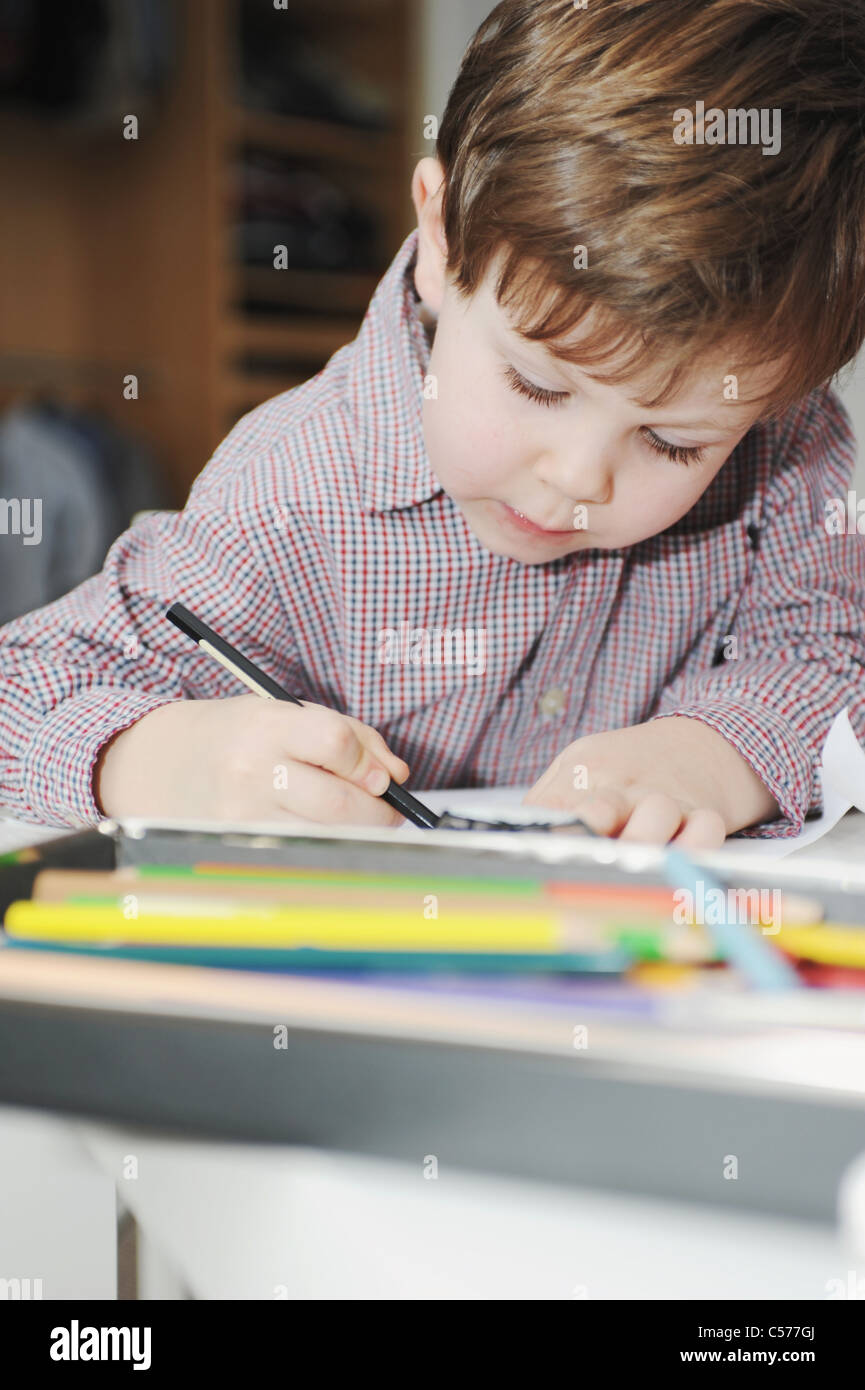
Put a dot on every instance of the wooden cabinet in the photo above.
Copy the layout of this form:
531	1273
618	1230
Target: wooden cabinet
121	256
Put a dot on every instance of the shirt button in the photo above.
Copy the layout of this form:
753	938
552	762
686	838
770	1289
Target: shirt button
552	703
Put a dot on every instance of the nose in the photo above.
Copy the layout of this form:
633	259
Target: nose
582	472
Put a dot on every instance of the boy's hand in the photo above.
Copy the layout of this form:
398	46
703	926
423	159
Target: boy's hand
248	759
671	779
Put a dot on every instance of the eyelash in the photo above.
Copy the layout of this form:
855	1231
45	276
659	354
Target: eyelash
533	393
677	453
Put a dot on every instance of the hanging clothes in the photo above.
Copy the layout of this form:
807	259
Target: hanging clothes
69	484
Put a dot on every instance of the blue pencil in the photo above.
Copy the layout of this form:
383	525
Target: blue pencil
739	943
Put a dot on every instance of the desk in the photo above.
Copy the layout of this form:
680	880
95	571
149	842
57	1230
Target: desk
624	1143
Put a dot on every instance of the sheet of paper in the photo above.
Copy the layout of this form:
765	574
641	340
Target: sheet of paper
15	834
492	803
842	777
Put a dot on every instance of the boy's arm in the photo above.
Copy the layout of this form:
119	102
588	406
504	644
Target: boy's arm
79	671
799	655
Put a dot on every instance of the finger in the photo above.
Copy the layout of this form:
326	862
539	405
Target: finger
545	785
702	829
655	819
322	797
604	812
323	738
372	739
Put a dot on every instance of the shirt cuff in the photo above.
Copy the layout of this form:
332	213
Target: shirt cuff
770	746
60	762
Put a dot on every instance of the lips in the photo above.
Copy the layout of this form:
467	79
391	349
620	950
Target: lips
533	528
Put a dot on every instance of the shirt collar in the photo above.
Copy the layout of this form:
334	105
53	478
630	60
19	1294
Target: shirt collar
385	392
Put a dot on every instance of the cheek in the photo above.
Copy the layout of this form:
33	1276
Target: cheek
466	432
661	496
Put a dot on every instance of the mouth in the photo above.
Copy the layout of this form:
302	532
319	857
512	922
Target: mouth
528	527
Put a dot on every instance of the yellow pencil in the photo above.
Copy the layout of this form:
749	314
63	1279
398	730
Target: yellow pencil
832	944
367	929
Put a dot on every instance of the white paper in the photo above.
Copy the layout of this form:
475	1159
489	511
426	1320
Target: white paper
842	776
17	834
493	803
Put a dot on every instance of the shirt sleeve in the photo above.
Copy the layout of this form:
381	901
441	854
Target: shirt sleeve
77	672
798	648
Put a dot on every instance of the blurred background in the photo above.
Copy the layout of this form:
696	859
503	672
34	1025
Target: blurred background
152	155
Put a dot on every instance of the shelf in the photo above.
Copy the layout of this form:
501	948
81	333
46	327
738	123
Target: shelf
241	393
341	12
76	322
304	338
49	368
338	292
297	135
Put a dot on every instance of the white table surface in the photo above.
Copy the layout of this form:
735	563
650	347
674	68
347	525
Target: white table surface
241	1222
252	1222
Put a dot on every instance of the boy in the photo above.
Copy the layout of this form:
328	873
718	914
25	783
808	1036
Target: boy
584	430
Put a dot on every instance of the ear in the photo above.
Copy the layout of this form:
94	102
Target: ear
427	187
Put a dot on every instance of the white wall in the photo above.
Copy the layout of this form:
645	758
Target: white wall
447	27
853	395
445	32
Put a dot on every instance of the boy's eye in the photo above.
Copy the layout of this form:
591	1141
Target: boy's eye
677	452
534	393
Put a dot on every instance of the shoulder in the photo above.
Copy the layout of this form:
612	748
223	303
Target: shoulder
809	452
314	460
294	454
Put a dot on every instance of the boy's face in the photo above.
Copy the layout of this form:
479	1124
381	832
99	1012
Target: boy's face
580	464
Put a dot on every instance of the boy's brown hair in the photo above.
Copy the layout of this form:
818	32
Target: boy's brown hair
559	132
